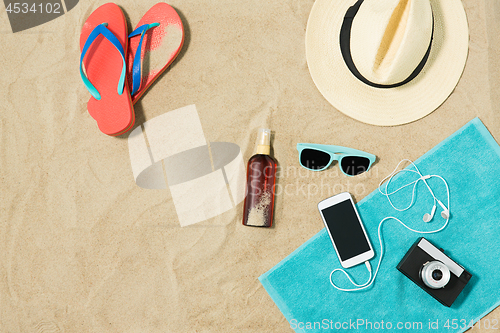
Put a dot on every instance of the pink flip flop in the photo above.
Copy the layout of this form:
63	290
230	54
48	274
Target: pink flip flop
153	45
103	42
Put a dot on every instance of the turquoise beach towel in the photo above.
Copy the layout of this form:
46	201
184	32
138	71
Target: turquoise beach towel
469	160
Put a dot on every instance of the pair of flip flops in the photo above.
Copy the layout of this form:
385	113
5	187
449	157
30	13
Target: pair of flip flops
117	67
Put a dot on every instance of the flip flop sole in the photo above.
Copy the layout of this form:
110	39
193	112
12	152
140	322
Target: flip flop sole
113	113
160	47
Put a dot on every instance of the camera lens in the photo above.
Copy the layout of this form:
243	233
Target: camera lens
437	275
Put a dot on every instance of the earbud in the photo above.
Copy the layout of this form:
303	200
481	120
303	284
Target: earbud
429	217
445	214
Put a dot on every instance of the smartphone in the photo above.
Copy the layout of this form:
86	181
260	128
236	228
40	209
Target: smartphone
346	230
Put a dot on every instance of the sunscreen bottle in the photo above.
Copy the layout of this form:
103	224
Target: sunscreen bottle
261	180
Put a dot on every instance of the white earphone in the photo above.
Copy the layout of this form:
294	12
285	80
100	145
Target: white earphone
445	214
428	217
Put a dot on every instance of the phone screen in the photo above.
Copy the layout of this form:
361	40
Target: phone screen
345	229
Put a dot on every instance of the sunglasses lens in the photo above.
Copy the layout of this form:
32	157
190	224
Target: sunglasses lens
354	165
314	159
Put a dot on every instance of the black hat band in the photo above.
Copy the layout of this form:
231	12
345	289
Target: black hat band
345	48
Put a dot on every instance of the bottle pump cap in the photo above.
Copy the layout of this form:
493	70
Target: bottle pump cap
264	141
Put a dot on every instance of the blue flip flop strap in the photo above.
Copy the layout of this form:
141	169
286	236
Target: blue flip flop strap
136	68
102	30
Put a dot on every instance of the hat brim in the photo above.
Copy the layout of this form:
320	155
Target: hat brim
386	106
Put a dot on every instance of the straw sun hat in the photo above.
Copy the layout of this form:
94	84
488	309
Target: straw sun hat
386	62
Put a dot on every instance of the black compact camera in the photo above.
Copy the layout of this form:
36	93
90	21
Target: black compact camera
433	271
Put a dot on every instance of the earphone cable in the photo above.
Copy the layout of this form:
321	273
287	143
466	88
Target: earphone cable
379	230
